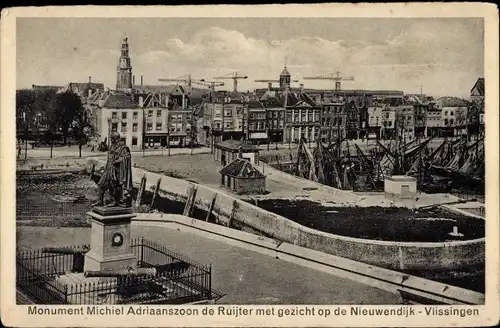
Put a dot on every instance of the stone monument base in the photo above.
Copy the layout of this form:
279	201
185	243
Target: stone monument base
110	240
77	284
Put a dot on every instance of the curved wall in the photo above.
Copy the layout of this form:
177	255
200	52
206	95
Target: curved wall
393	255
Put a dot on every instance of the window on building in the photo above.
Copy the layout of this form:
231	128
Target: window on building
445	112
114	115
134	127
452	113
445	121
114	127
451	122
149	127
124	127
134	141
158	126
158	113
150	113
135	116
124	115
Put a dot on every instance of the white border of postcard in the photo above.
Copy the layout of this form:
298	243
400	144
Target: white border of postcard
17	315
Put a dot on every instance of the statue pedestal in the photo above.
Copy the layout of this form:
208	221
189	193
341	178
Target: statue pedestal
110	239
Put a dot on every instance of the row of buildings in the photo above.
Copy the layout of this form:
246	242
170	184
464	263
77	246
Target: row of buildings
152	116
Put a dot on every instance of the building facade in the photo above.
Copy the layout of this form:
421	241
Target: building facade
257	127
453	116
302	117
405	122
388	129
375	120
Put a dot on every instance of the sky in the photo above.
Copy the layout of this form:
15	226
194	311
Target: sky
445	56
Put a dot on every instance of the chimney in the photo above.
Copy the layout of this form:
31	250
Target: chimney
90	92
141	80
141	102
269	85
90	79
301	86
133	80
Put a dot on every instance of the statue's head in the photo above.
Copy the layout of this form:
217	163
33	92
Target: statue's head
115	136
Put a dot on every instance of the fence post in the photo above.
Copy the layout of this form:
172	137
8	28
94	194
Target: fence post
210	281
141	261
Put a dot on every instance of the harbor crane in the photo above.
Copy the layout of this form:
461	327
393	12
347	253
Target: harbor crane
186	79
333	77
235	76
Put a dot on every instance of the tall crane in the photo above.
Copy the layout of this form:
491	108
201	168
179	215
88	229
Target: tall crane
235	76
186	79
332	76
210	84
183	79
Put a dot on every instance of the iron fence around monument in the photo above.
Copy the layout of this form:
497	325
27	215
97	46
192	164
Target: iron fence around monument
178	279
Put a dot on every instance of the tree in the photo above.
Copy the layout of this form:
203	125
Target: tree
81	129
25	109
51	119
70	109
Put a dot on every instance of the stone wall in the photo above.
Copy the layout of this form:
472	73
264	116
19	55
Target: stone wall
393	255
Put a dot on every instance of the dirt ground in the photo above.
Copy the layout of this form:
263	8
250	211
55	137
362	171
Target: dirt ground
35	204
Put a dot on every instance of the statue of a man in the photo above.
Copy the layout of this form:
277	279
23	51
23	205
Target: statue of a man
117	175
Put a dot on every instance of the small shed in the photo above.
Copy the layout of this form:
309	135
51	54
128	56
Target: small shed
241	177
228	150
400	187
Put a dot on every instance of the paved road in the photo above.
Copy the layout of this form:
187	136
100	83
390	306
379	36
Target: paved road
246	277
70	152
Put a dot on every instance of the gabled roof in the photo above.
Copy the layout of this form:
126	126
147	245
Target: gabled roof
269	102
83	88
255	104
451	102
118	101
296	99
170	89
479	86
241	168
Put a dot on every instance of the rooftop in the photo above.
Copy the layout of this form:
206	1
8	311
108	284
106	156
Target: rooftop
451	102
241	168
479	86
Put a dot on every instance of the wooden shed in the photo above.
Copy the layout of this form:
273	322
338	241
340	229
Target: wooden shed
243	178
228	150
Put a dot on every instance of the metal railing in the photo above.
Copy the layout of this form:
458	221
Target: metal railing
178	280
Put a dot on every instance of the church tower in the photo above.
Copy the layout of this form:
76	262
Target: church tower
285	79
124	69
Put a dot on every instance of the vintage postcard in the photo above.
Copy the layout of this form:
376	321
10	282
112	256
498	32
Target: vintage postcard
324	165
